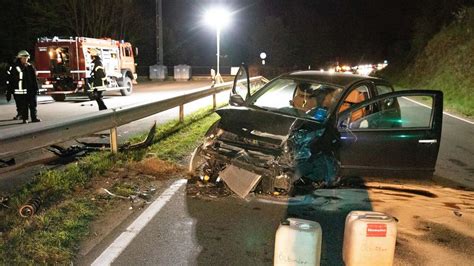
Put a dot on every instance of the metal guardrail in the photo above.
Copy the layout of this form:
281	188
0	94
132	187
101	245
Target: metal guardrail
18	140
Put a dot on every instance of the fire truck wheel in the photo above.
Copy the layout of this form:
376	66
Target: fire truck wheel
59	97
127	82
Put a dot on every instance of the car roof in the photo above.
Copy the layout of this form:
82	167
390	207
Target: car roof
338	79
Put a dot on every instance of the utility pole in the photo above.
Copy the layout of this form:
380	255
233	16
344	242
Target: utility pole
159	33
159	71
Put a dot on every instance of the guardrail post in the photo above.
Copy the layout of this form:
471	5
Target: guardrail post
113	140
214	104
181	113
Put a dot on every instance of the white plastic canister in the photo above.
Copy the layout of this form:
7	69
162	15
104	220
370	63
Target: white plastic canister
298	242
369	239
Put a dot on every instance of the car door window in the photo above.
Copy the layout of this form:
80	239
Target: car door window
241	83
295	97
277	95
355	96
395	113
383	89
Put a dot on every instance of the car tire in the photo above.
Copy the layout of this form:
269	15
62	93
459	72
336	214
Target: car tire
127	82
59	97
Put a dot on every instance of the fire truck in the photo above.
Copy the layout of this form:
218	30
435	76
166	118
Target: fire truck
64	65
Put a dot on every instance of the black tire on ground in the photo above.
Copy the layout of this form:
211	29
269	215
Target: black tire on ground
59	97
127	82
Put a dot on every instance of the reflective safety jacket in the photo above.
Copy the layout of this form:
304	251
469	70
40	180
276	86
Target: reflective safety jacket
22	79
98	75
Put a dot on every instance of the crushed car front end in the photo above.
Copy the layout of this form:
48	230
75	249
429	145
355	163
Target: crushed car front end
267	153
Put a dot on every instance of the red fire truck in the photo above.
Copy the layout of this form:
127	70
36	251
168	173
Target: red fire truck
64	65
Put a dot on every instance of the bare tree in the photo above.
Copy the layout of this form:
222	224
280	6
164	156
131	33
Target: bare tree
92	18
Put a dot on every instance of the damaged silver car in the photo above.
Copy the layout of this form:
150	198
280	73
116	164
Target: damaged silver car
310	127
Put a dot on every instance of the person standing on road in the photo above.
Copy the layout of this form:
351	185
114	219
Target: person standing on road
9	90
98	78
213	77
23	85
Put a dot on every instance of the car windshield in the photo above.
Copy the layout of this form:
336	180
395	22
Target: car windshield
297	97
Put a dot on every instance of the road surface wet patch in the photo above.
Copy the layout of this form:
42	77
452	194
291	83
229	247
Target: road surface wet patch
394	194
451	205
419	192
457	162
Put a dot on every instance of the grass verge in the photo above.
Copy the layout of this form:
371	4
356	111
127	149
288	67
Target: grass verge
71	201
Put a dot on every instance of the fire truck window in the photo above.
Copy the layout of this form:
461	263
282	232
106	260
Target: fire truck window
128	51
105	54
59	59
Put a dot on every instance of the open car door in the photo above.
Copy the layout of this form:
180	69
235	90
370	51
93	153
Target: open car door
398	136
241	88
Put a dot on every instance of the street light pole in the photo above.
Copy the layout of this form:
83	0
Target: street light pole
217	18
159	32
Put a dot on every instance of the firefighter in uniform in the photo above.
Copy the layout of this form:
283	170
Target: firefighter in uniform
98	78
24	86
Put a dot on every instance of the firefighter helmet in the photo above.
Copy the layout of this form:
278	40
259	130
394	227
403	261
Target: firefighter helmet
23	53
93	52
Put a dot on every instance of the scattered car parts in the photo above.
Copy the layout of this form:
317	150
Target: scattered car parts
30	207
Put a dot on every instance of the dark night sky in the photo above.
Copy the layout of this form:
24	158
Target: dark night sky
320	31
294	33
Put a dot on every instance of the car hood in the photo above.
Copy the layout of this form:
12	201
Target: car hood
259	125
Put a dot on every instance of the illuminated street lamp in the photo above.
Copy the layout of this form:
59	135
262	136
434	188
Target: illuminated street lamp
217	18
263	55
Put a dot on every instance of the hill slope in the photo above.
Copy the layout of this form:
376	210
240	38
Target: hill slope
446	63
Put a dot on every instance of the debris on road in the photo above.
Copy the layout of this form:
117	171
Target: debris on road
31	207
6	163
4	201
67	152
114	195
205	189
457	213
148	141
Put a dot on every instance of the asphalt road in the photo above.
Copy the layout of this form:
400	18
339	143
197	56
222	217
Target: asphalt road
192	230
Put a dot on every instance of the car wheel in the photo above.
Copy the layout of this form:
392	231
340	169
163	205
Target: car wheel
127	83
59	97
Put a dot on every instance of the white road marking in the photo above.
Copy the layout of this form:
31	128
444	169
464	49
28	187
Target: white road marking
446	113
121	242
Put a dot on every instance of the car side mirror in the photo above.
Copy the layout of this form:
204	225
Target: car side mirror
236	100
